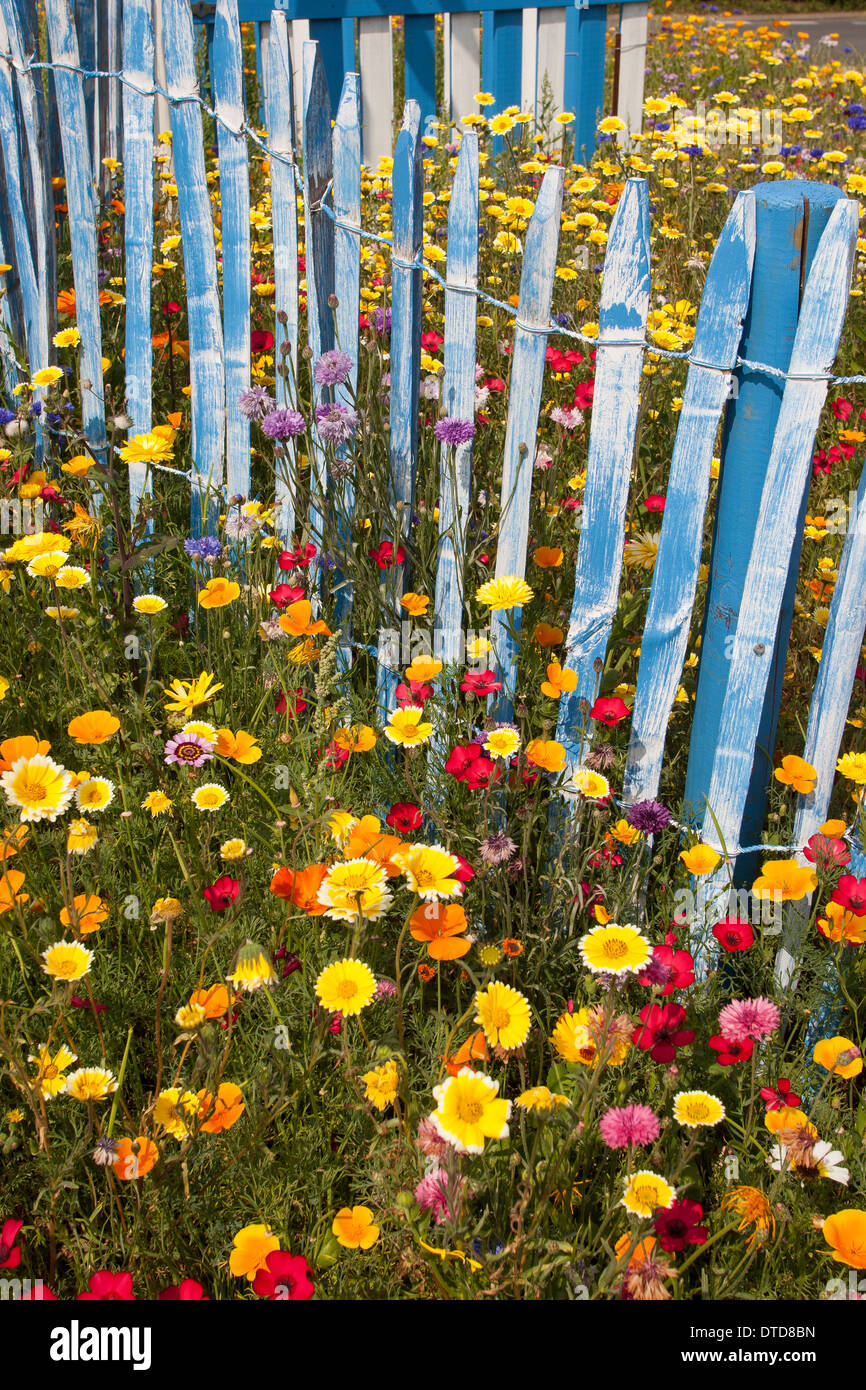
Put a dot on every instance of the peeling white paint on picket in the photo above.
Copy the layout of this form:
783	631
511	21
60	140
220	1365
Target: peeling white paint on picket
284	217
138	107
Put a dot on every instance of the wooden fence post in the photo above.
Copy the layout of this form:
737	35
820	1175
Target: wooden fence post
319	255
347	287
284	215
138	52
583	82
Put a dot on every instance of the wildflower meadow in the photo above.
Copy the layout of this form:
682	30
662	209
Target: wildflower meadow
322	985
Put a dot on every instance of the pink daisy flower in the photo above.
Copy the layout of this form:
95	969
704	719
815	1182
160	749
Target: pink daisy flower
748	1019
629	1125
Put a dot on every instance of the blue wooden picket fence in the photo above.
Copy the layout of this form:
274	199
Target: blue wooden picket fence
752	328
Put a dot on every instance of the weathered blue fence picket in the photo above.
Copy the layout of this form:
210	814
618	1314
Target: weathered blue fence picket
738	311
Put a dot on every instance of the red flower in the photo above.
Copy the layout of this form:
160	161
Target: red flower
404	816
655	502
583	395
609	710
662	1032
282	704
384	555
39	1293
188	1291
335	756
467	763
733	934
779	1096
415	693
677	1225
850	892
260	341
464	871
289	559
284	594
480	683
285	1277
494	383
78	1003
827	851
106	1287
223	893
669	968
10	1253
431	341
819	462
731	1052
841	408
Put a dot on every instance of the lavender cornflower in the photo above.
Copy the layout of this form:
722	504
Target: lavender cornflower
497	849
332	368
453	431
382	320
255	404
648	816
335	423
283	424
203	548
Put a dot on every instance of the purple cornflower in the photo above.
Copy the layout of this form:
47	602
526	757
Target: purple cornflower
382	320
497	849
332	368
283	424
203	548
335	423
627	1126
255	404
188	750
648	816
453	431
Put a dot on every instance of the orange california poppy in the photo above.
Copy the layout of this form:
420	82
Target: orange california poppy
474	1049
87	915
296	618
24	746
364	843
227	1110
215	1001
546	635
11	840
439	924
95	726
10	882
301	888
548	557
135	1157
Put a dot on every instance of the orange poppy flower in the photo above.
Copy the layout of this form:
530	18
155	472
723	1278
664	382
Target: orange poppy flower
215	1001
474	1049
439	925
546	635
548	557
366	843
12	839
87	915
24	746
227	1111
10	882
95	726
135	1157
301	888
559	679
296	618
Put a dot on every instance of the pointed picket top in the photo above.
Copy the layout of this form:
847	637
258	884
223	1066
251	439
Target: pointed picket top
622	323
319	252
719	327
347	287
284	214
407	183
458	402
228	83
199	253
524	404
821	316
837	670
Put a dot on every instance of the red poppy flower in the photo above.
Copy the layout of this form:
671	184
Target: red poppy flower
655	502
467	763
384	555
480	683
827	851
662	1032
850	892
188	1291
281	704
583	395
733	934
464	871
404	816
731	1052
106	1287
609	710
841	408
677	1225
431	341
260	341
284	594
335	756
780	1096
223	893
10	1253
78	1003
284	1277
415	693
669	968
300	558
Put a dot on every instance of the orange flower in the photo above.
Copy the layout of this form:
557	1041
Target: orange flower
512	947
24	746
135	1157
548	557
559	680
10	882
845	1231
12	839
227	1111
358	738
296	619
474	1049
301	888
797	773
95	726
243	747
546	753
840	924
367	841
87	915
641	1252
546	635
439	925
838	1055
426	972
66	304
215	1000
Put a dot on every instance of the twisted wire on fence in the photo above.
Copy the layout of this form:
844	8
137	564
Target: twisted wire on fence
251	134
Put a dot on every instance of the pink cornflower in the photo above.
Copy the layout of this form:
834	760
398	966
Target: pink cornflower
430	1141
433	1192
629	1125
749	1019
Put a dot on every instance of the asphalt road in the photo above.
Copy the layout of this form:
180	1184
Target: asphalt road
849	25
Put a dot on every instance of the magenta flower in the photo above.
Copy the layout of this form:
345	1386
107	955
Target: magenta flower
433	1192
746	1020
110	1288
188	750
625	1127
